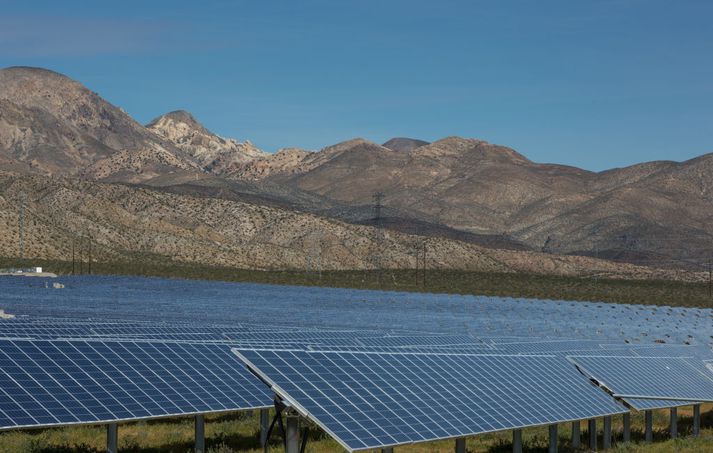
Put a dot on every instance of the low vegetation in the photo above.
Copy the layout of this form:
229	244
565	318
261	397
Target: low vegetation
239	433
649	292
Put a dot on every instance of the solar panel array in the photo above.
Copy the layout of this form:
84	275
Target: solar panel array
46	383
370	400
175	300
375	369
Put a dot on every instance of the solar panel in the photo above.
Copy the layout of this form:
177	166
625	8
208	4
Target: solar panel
661	378
547	347
46	383
369	400
430	340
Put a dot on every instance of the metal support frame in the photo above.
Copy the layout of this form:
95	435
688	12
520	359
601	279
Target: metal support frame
387	450
553	439
112	438
264	426
516	441
674	422
606	438
292	432
200	434
626	422
460	445
696	420
592	428
576	434
648	426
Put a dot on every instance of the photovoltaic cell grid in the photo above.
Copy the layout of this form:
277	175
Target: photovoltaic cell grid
368	400
47	383
663	381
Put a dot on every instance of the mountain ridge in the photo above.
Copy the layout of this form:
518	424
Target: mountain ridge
464	188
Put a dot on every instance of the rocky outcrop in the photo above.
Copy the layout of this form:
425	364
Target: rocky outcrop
56	126
215	153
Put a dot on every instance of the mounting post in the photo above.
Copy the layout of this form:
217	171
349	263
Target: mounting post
553	439
576	434
200	434
592	428
292	434
606	441
674	422
696	420
460	445
264	426
387	450
648	426
626	422
112	438
516	441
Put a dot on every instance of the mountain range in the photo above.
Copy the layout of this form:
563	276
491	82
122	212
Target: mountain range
173	188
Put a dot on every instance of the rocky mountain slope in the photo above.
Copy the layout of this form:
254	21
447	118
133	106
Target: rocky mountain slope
125	222
214	153
458	190
58	127
657	212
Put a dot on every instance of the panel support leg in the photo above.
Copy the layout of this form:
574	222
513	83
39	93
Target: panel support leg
112	438
553	439
292	432
606	441
387	450
264	426
592	428
200	434
696	420
576	434
648	426
627	427
516	441
674	422
460	445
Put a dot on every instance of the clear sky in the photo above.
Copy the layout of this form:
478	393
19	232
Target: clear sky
592	83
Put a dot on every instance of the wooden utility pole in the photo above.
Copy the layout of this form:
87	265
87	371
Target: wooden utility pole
424	264
89	265
81	256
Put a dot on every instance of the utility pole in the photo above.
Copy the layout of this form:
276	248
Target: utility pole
424	264
72	256
81	256
417	254
21	222
89	265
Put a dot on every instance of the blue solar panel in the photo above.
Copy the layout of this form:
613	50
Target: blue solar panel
45	383
659	378
429	340
368	400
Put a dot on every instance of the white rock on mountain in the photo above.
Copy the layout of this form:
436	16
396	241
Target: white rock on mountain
213	152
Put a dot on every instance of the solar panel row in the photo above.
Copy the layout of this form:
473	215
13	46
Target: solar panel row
46	383
371	400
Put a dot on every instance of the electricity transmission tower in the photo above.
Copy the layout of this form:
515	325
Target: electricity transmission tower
313	244
377	257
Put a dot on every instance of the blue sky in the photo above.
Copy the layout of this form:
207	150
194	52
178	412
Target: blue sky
597	84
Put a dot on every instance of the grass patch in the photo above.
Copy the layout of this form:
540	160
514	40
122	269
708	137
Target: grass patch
239	433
